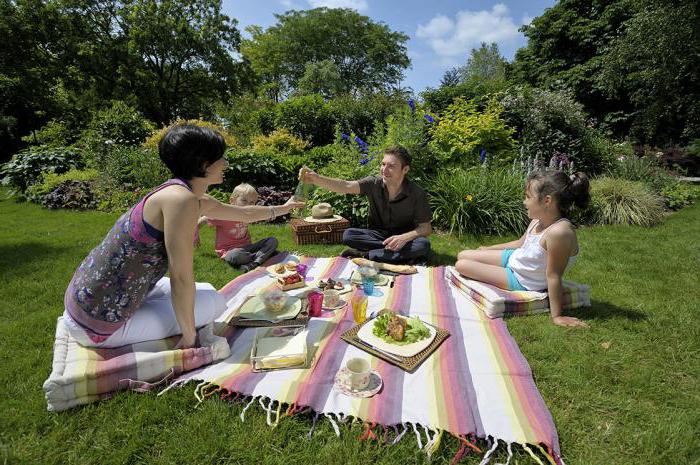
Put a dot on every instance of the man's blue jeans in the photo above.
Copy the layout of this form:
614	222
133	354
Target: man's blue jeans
373	242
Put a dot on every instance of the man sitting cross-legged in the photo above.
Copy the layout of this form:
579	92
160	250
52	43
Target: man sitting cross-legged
399	214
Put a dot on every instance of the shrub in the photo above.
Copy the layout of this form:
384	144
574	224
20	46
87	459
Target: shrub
318	157
271	196
552	121
307	117
50	181
115	200
126	168
281	142
409	128
27	166
463	132
71	194
55	133
259	170
154	138
120	124
363	115
478	201
677	194
620	201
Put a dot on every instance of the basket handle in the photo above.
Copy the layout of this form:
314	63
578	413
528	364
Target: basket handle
316	229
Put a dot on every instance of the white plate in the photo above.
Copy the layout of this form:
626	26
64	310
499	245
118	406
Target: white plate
409	350
271	270
341	303
379	279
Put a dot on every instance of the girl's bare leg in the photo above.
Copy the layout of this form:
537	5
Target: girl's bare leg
484	272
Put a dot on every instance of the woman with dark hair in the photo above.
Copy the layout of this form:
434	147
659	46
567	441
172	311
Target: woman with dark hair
119	295
537	260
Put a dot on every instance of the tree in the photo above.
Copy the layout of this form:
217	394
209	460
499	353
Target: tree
170	58
632	63
368	55
321	77
484	63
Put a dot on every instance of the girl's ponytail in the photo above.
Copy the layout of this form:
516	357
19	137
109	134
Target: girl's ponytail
578	189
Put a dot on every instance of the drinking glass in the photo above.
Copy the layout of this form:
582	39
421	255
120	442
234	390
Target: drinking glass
359	307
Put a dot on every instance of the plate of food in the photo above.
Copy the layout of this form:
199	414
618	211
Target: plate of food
397	334
341	286
291	281
283	269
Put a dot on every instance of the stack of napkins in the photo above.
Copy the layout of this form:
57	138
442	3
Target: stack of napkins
280	351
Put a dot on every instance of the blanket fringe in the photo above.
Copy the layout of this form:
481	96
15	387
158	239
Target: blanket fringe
532	454
333	424
368	434
547	455
246	408
398	438
420	443
434	444
487	457
313	426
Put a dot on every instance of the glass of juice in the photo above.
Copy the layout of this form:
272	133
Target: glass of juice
359	306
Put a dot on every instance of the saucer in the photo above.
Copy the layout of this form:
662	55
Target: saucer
342	384
341	303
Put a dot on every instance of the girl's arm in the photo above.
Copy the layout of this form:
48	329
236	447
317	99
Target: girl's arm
180	213
509	245
559	248
212	208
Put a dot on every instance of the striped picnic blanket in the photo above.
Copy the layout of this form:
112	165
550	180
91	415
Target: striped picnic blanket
476	385
496	302
81	375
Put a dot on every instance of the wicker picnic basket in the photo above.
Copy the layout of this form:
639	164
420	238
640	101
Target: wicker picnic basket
318	233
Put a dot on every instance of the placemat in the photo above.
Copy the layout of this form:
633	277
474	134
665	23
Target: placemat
408	364
302	319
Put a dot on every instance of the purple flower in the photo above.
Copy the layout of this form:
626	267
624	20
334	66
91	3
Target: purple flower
482	155
361	144
429	118
412	104
345	137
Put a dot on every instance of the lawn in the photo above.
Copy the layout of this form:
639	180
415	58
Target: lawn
624	391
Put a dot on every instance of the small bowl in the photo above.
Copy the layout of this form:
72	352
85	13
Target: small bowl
331	298
274	300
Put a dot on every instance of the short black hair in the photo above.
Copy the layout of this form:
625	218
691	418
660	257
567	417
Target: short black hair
401	153
187	149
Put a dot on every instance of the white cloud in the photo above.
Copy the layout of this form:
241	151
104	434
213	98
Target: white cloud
453	38
359	5
290	5
527	19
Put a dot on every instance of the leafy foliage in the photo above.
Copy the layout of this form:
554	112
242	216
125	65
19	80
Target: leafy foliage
126	168
70	194
620	201
552	121
269	195
463	132
50	181
26	167
478	201
306	116
154	138
259	169
368	55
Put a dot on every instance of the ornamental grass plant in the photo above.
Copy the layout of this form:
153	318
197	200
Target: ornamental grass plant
478	201
620	201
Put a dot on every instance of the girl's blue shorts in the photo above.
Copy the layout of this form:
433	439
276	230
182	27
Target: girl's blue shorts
513	283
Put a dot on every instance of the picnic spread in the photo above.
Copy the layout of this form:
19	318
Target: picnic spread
439	363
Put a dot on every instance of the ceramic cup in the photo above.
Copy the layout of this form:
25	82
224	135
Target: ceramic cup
359	369
331	297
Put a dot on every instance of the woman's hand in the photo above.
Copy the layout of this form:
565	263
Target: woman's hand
291	203
187	342
569	321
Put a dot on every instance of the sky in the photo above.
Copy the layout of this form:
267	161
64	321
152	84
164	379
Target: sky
442	32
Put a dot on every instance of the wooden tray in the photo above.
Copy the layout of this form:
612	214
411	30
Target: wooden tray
302	319
409	364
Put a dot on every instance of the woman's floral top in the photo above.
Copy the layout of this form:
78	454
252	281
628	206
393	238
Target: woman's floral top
112	281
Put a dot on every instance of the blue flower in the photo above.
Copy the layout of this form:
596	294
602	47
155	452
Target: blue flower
412	104
365	159
429	118
345	137
362	144
482	155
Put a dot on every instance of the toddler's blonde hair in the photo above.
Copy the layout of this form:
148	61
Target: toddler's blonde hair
242	190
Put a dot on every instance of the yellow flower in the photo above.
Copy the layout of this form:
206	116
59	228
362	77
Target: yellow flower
468	198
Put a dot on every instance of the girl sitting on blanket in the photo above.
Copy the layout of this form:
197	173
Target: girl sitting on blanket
118	294
537	260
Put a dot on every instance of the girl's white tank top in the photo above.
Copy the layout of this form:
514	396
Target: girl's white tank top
529	262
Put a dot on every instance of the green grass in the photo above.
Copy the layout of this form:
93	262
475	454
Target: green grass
634	402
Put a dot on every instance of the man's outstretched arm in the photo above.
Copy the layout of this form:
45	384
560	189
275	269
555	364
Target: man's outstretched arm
340	186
